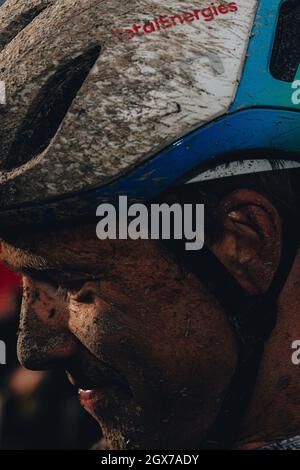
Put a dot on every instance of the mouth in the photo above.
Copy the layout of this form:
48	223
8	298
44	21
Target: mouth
95	393
91	400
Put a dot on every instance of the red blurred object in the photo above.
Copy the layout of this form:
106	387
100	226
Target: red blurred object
8	278
10	285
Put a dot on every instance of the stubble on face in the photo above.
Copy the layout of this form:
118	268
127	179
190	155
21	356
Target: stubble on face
140	314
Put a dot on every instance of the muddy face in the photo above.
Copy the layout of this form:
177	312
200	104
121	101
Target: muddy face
146	343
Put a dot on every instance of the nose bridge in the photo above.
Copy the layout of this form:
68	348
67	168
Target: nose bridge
43	337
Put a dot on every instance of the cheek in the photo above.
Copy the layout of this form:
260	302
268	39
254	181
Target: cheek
152	340
192	348
92	324
112	332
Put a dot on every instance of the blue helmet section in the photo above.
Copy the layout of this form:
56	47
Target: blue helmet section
267	130
258	87
263	129
262	118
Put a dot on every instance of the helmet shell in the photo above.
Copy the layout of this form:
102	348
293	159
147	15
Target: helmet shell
142	92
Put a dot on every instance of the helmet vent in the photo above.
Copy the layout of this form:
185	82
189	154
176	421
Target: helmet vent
49	109
286	50
19	23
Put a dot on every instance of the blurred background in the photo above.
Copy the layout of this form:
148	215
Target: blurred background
38	410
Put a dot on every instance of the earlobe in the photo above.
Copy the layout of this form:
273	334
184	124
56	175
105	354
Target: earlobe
250	246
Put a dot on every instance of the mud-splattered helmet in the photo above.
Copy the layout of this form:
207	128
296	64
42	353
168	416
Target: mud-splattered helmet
101	98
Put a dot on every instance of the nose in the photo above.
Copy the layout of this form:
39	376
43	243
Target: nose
44	338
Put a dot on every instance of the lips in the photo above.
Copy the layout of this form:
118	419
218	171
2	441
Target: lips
96	382
91	394
86	384
90	399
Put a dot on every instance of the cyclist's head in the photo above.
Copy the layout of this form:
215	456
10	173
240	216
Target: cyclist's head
156	101
133	321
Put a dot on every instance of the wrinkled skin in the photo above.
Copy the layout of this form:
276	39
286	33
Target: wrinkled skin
124	318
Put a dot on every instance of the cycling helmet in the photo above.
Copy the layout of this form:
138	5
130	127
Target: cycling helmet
106	98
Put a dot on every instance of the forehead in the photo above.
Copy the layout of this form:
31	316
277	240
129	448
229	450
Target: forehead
73	249
50	248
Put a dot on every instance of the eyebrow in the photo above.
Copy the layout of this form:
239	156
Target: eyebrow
34	265
64	267
40	270
10	265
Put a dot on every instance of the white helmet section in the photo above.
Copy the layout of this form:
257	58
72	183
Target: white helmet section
243	167
165	67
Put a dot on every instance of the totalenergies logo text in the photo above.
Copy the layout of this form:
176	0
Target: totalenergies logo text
209	13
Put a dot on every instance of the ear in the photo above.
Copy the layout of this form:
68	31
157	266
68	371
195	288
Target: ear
250	245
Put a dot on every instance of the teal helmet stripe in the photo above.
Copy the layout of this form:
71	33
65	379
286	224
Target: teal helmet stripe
258	87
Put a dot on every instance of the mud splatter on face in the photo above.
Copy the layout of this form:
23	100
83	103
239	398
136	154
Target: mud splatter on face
133	325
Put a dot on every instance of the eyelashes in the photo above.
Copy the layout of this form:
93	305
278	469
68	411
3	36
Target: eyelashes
71	286
63	287
82	287
66	289
63	293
